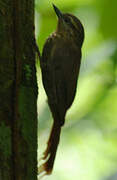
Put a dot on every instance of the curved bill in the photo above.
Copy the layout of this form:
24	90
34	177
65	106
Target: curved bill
58	12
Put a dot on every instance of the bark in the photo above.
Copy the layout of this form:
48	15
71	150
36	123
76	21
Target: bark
18	91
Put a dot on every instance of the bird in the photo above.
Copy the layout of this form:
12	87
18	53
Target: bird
60	65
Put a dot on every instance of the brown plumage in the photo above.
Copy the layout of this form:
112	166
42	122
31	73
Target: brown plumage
60	64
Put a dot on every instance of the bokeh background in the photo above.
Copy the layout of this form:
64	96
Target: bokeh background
88	146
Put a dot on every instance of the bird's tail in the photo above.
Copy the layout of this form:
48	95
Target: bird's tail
50	153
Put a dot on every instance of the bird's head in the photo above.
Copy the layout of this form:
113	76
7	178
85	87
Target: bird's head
70	26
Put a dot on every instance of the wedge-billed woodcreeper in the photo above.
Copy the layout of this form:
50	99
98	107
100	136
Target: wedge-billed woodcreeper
60	64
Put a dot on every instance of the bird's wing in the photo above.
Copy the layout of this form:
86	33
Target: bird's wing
60	75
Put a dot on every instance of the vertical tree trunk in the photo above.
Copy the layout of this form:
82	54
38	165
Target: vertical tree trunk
18	91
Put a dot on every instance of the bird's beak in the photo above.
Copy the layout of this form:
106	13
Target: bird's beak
58	12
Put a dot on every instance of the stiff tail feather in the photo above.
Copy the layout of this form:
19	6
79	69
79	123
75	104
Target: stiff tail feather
50	153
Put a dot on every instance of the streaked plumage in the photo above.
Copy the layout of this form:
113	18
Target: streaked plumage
61	59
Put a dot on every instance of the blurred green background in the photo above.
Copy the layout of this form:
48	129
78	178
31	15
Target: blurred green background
88	146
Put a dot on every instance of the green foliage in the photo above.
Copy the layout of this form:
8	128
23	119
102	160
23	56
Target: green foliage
89	139
108	16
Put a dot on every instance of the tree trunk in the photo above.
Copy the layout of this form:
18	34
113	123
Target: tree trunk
18	91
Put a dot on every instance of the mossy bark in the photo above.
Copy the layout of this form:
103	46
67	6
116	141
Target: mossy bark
18	91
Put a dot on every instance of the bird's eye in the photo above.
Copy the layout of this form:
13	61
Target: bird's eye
67	20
